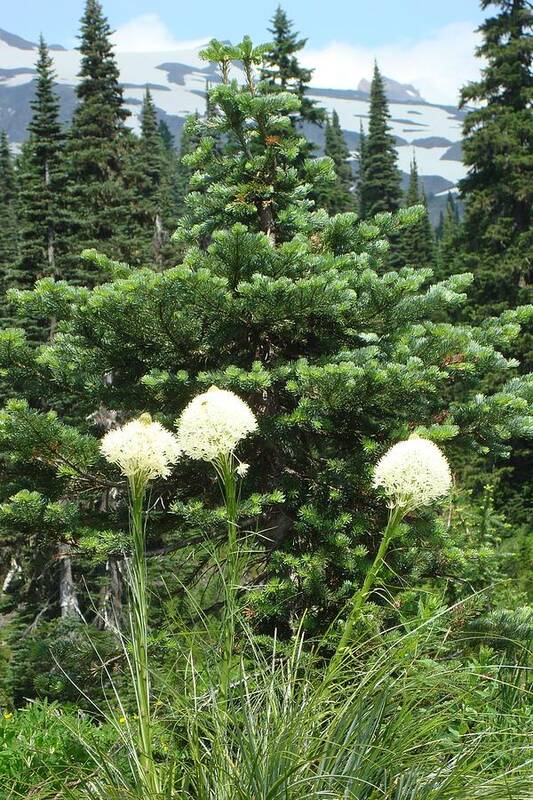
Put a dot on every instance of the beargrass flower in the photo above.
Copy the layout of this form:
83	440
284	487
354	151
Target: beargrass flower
141	449
413	473
213	424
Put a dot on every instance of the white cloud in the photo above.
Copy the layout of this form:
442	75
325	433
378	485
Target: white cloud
149	34
437	66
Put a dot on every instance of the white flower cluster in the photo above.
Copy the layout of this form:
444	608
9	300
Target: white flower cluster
141	448
213	424
413	473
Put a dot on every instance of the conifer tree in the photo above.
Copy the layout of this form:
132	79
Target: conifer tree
361	151
166	136
282	70
380	179
417	244
42	182
451	210
449	241
498	195
338	196
98	149
153	186
296	312
172	170
188	143
9	225
255	186
498	150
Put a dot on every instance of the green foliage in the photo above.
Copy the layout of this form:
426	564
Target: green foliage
62	660
253	178
410	719
42	198
417	245
99	149
9	227
337	197
379	177
188	143
339	355
155	189
300	314
282	71
495	240
497	150
43	750
448	239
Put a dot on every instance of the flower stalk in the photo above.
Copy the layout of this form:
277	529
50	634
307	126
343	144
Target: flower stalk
209	430
396	515
143	450
413	473
227	476
139	637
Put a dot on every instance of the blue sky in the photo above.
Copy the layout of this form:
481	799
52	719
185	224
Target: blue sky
364	22
428	44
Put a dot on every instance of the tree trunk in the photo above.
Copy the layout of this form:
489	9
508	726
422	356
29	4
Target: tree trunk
266	219
110	611
109	614
10	574
68	601
159	239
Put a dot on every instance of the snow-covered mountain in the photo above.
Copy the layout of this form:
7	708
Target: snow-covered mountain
177	80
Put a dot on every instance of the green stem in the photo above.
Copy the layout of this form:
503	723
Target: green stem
395	517
139	639
228	484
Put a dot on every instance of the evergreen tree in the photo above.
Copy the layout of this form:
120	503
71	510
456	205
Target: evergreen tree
498	197
8	226
255	186
282	70
172	170
449	239
166	136
361	152
417	244
42	186
338	196
153	186
296	312
498	152
451	212
379	186
99	148
188	143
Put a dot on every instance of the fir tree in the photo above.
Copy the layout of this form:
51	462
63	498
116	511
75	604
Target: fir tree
153	186
257	184
498	149
282	70
188	143
451	211
166	136
42	185
380	179
361	153
98	148
417	244
498	195
449	239
338	196
297	313
9	225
